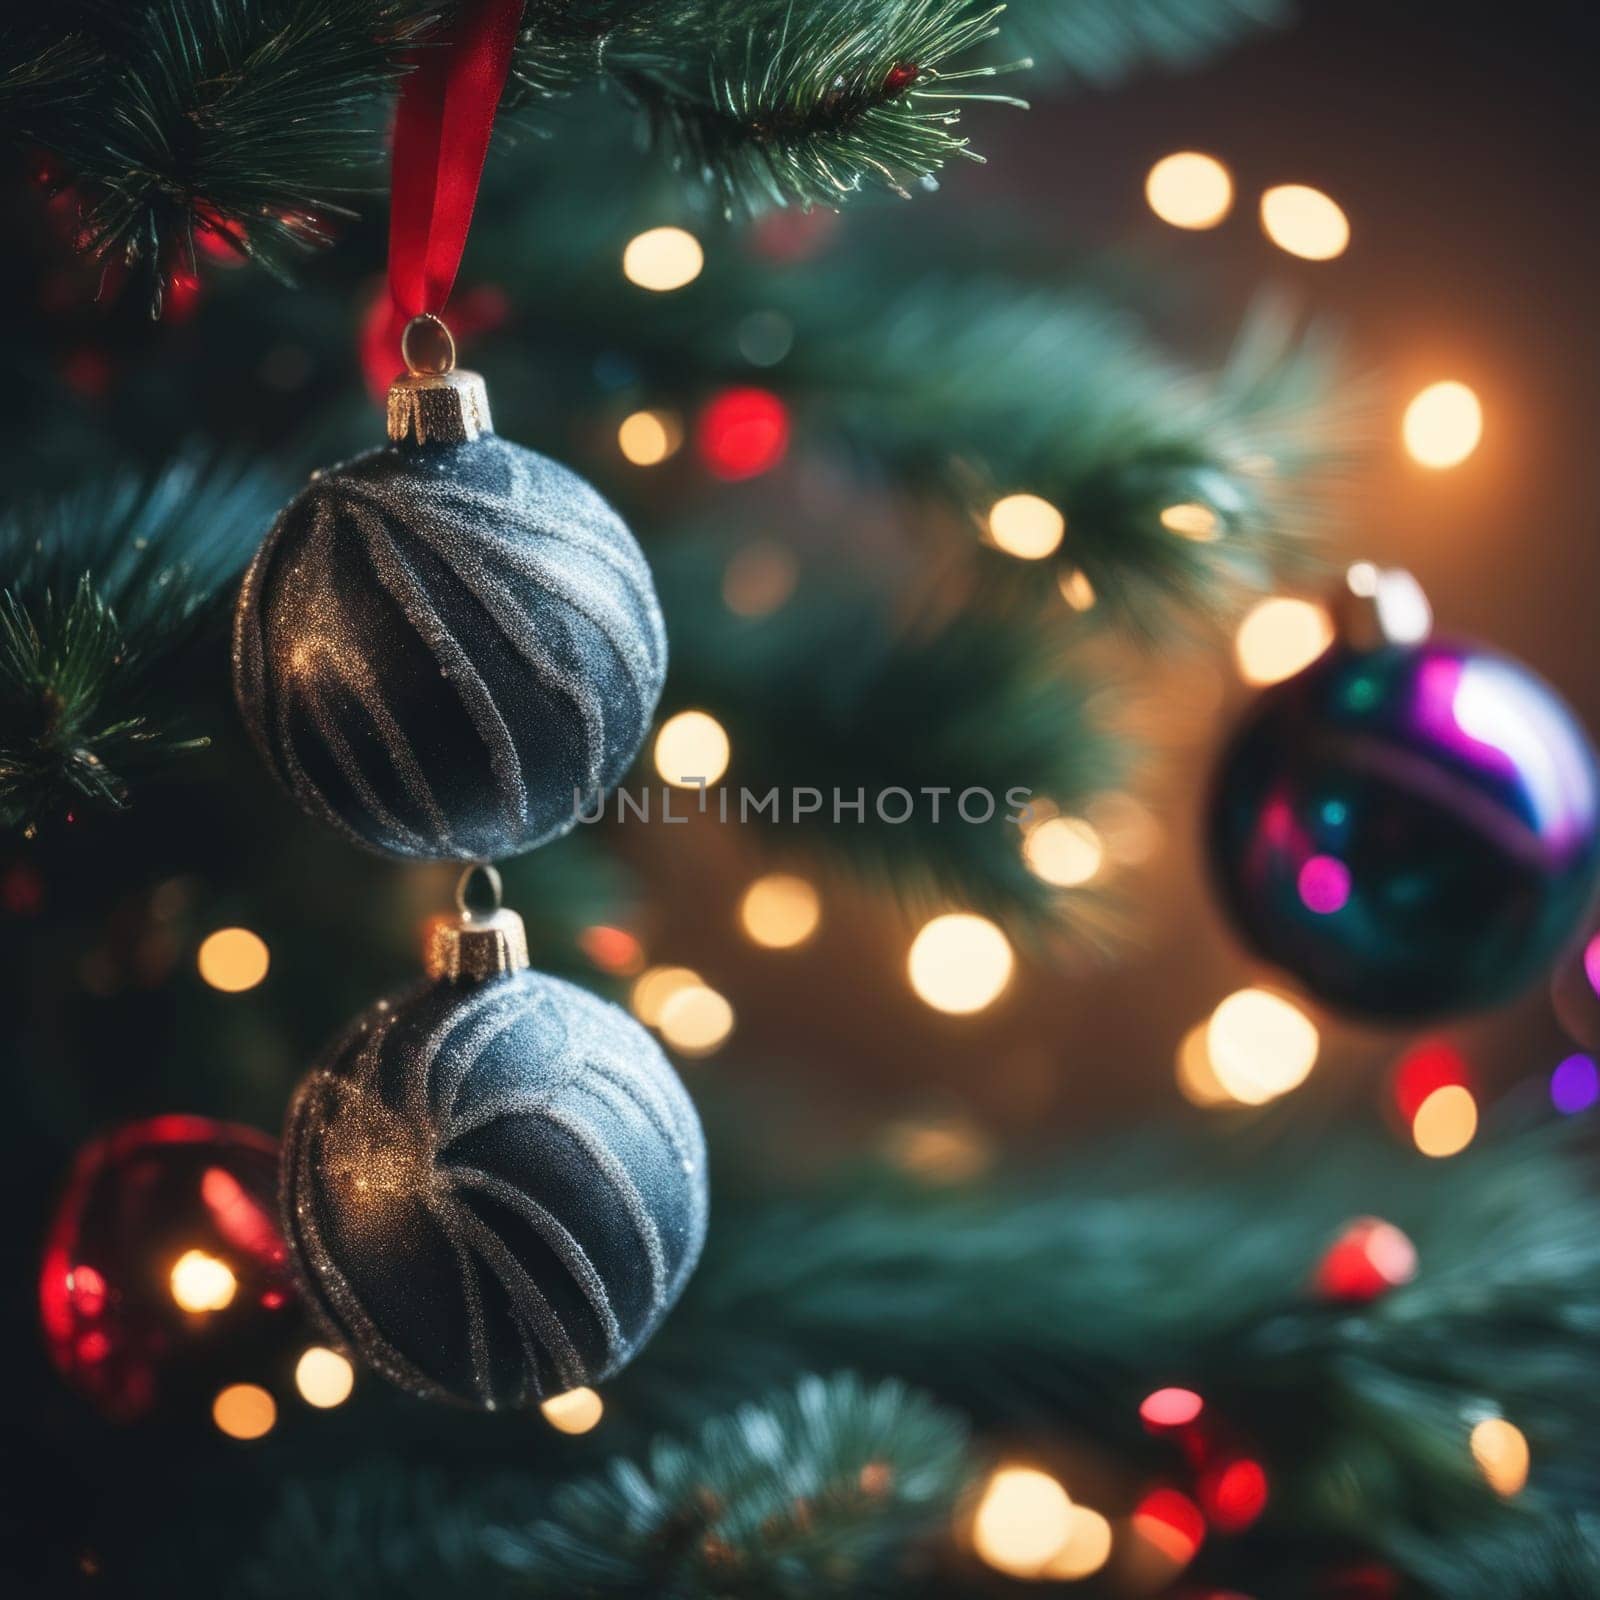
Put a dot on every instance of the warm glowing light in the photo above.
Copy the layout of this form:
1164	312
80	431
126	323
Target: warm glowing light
1191	520
1305	222
695	1020
1575	1085
960	963
1501	1451
1443	425
662	259
1368	1259
780	911
1087	1549
1025	526
1064	851
233	960
647	438
576	1411
692	750
1280	636
324	1378
244	1411
759	578
1426	1066
1446	1121
1170	1408
950	1150
1235	1494
1172	1523
1260	1045
1076	590
1324	885
657	986
742	433
1197	1083
201	1282
1189	190
1023	1521
612	949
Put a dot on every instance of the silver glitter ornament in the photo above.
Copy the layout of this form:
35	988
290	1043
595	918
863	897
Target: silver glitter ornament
494	1185
448	645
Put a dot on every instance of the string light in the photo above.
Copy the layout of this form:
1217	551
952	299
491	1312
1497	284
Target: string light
1279	637
1172	1523
1076	590
1170	1408
1260	1045
244	1411
742	433
1086	1551
1445	1122
233	960
576	1411
959	963
1368	1259
1022	1523
1235	1494
657	986
1429	1065
324	1378
1063	851
1501	1450
695	1020
1025	526
201	1282
780	911
1575	1085
1443	425
647	438
1197	1083
692	749
661	259
1191	520
1304	222
1189	190
612	949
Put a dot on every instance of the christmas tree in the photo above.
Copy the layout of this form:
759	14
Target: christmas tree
879	737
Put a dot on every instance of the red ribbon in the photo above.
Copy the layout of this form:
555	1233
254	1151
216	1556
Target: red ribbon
441	136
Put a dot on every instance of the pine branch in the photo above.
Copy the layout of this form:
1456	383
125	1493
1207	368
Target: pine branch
1103	41
833	691
106	591
816	1490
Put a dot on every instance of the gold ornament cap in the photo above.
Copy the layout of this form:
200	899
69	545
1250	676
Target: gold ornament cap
431	402
476	945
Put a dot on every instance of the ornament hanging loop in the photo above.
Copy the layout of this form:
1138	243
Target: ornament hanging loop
483	940
1378	606
427	346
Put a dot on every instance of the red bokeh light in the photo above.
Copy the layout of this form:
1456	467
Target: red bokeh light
1433	1064
1368	1259
1235	1494
743	433
1170	1408
1172	1523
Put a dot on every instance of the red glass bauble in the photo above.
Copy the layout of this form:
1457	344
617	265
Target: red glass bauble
165	1275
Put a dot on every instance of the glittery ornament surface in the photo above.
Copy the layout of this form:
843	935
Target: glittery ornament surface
495	1192
1410	830
437	647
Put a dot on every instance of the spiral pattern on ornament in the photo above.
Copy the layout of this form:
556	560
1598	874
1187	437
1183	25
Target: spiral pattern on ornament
441	651
495	1193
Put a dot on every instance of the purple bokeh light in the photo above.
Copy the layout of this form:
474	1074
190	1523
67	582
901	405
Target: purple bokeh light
1575	1085
1324	885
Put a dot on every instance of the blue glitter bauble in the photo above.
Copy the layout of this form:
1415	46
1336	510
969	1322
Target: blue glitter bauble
1409	830
442	650
494	1192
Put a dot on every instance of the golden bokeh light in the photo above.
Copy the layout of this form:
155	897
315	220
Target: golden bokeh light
576	1411
1023	1522
780	911
1501	1451
1278	637
1025	526
201	1282
662	258
1446	1122
1086	1551
233	960
1305	222
692	749
647	438
1191	520
1443	425
695	1020
959	963
1076	590
1064	851
944	1150
1189	190
657	986
759	578
1197	1083
1260	1046
324	1377
244	1411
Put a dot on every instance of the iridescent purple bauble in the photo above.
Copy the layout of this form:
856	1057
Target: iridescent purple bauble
1409	830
